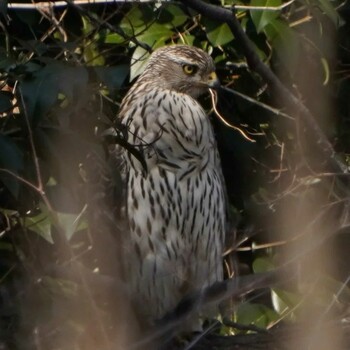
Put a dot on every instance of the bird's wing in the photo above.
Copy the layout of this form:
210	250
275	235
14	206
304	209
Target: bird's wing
171	129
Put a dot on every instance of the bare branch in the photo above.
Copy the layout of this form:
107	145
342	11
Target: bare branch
264	8
282	92
56	4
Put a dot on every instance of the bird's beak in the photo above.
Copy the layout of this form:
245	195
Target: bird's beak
213	81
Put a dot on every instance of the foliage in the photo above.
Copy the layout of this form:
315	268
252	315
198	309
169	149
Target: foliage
63	74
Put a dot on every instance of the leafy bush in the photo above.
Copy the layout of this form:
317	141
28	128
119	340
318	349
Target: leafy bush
63	73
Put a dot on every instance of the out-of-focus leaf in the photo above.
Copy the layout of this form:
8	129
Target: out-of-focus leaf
5	101
31	18
71	223
36	46
37	93
113	77
6	246
284	41
262	265
40	92
330	11
218	33
3	7
87	25
255	314
11	159
189	39
6	61
68	46
59	287
334	287
138	62
261	18
62	200
40	224
136	20
92	55
172	15
114	38
283	301
140	21
228	2
154	34
139	59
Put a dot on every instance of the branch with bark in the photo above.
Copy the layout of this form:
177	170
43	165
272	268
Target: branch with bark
282	93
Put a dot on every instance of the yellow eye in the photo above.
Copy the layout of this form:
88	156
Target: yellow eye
189	69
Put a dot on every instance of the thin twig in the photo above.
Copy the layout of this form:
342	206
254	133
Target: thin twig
32	145
264	8
214	101
258	103
21	179
57	4
282	92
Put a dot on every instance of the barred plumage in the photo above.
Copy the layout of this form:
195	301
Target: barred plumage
176	206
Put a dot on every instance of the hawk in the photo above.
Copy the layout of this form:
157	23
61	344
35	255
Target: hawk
175	200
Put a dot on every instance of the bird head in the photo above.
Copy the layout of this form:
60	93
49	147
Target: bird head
182	68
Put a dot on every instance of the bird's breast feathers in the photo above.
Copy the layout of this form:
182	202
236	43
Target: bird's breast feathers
172	129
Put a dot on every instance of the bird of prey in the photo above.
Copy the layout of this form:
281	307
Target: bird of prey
175	198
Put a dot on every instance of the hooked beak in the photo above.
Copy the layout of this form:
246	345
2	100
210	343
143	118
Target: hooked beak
213	81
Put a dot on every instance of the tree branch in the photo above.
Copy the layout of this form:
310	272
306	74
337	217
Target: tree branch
288	98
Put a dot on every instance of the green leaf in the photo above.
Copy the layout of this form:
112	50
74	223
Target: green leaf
3	7
40	224
155	33
32	18
138	62
11	158
41	91
6	246
284	41
136	20
261	18
218	33
255	314
155	36
113	77
262	265
6	61
172	15
71	223
87	25
140	57
5	101
114	38
283	301
91	52
58	287
10	154
36	46
330	11
336	288
92	55
189	39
